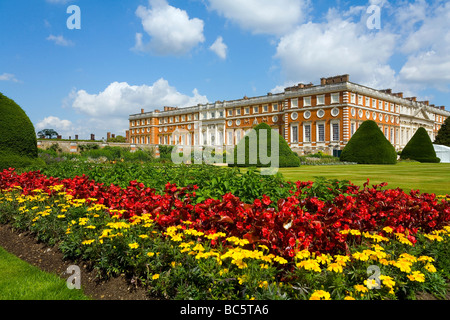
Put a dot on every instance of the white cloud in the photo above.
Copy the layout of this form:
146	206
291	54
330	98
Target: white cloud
427	46
111	107
8	77
171	30
219	48
63	127
263	16
334	47
60	41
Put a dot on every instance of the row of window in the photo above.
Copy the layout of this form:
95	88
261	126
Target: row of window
320	100
320	132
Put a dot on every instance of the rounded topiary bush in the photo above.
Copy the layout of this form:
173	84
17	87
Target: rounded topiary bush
369	146
420	148
253	154
18	144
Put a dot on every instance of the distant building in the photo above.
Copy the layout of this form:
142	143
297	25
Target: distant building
310	118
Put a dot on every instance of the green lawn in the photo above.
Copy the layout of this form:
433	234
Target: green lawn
427	177
22	281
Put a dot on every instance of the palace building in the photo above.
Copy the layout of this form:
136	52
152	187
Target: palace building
310	118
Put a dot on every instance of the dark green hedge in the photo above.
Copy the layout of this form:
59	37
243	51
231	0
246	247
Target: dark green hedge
287	158
443	135
420	148
17	134
369	146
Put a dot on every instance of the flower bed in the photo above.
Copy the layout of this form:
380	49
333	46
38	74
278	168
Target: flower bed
228	249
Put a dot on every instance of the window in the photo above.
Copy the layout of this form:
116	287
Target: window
294	138
335	112
230	112
275	107
196	116
189	117
213	114
307	101
380	104
352	128
132	123
230	138
374	103
353	98
320	113
392	135
255	109
220	114
335	98
183	118
294	103
320	100
238	112
177	118
204	115
247	110
294	116
160	121
335	130
307	133
360	100
386	132
170	119
265	108
321	132
307	114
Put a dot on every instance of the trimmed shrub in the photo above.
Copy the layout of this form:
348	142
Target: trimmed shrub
18	144
369	146
420	148
287	158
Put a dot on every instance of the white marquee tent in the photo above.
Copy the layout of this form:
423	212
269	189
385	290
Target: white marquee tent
442	152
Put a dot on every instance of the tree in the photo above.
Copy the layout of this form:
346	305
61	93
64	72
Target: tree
47	133
420	148
443	136
369	146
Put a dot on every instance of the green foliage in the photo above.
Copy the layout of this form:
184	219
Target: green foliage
165	152
118	139
17	135
253	154
443	136
420	148
87	147
369	146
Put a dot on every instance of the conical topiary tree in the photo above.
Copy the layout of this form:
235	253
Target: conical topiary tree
443	136
369	146
261	135
18	144
420	148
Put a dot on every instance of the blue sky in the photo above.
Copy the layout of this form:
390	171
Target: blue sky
146	54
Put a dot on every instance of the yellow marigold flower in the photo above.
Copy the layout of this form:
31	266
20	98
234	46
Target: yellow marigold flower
335	267
303	254
264	266
309	264
133	245
90	227
60	216
403	265
416	276
360	256
408	257
349	298
371	283
155	277
430	268
198	247
360	288
387	281
323	259
87	242
150	254
280	260
320	295
143	236
263	247
263	284
388	229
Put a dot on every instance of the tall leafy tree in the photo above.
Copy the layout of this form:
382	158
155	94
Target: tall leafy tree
443	136
47	133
